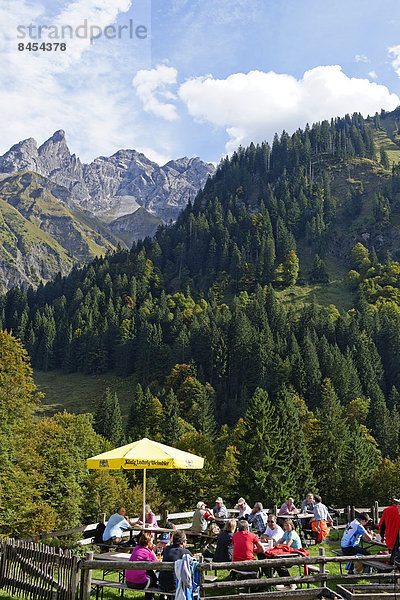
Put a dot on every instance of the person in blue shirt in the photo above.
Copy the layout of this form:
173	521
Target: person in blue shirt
116	524
351	540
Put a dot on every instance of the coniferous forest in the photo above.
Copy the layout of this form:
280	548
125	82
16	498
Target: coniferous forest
280	398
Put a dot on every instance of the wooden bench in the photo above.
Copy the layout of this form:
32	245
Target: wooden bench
100	584
381	567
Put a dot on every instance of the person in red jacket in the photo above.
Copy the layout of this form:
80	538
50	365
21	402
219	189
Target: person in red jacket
389	524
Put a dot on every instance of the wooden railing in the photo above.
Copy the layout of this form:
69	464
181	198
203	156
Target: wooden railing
260	586
34	571
346	514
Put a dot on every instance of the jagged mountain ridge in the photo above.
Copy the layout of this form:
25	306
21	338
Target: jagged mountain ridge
111	187
42	233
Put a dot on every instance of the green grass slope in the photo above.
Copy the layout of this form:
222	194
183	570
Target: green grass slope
78	393
40	234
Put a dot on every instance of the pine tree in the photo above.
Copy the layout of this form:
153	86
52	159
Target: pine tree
329	441
108	420
171	427
136	413
261	468
294	451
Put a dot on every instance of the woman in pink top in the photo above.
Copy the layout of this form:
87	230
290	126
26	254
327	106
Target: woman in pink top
141	580
150	518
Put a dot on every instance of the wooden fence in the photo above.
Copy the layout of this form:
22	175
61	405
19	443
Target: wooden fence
256	589
35	571
184	519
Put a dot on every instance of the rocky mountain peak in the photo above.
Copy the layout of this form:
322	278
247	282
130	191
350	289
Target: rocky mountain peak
113	186
20	157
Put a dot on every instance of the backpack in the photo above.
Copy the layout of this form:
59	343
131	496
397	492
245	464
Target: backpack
98	534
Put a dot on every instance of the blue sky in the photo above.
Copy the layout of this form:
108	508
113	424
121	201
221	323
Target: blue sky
209	76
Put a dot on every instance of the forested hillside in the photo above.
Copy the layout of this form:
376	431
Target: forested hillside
222	367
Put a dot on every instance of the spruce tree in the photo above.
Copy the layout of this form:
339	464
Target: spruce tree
136	413
108	420
329	444
171	427
262	472
294	452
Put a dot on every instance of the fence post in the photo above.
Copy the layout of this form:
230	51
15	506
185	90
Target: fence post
322	566
201	576
275	510
353	513
87	579
376	512
74	578
103	518
348	514
164	517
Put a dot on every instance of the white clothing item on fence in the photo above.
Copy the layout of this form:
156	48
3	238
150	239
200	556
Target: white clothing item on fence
183	576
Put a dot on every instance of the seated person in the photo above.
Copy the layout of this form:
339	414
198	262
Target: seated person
307	506
243	508
288	508
321	520
200	517
141	580
150	517
116	524
167	579
163	541
351	541
245	543
220	512
290	538
258	518
224	550
273	531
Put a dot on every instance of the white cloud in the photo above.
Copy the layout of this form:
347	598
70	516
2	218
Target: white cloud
373	75
361	58
150	86
395	53
79	90
253	106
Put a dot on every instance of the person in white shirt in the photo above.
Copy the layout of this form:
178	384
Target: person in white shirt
243	508
273	530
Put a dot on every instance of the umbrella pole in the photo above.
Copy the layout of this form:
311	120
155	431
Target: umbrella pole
144	497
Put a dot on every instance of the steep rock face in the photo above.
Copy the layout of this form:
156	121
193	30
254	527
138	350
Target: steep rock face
40	234
111	187
21	156
131	228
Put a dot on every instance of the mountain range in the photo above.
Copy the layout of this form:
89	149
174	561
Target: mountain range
56	211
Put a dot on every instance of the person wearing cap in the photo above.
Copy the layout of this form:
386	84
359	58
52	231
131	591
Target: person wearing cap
176	550
163	541
351	540
220	511
200	517
243	508
389	524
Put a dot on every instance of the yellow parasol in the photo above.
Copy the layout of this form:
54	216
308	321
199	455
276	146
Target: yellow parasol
145	454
